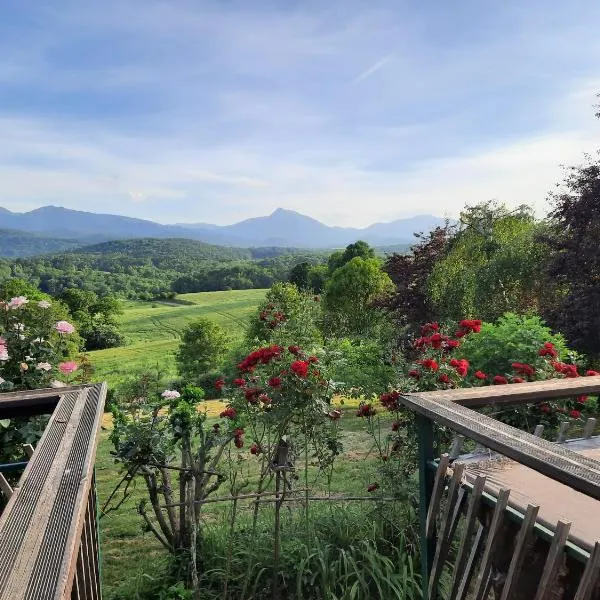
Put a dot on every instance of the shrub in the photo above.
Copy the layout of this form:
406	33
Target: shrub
202	349
512	338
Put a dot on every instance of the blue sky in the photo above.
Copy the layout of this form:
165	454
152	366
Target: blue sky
349	111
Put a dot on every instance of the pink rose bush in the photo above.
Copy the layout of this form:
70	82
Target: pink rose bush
35	343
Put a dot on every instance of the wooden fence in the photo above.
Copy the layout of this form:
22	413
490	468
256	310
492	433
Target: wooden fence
49	547
476	537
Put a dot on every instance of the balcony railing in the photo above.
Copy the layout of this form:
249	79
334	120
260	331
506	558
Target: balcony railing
49	547
480	536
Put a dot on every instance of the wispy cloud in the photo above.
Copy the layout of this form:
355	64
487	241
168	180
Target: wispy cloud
212	111
373	68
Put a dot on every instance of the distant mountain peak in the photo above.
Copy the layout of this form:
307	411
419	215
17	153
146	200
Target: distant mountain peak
283	227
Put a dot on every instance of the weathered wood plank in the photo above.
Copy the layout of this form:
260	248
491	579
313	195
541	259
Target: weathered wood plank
555	461
465	581
444	538
436	495
5	487
553	560
591	576
590	426
524	537
470	524
519	393
41	527
538	431
563	429
482	584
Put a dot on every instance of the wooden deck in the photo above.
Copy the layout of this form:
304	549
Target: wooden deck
529	489
48	530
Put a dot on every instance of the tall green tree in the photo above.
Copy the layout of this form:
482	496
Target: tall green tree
574	268
202	350
493	265
350	295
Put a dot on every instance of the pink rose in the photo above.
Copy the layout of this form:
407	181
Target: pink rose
66	368
17	302
64	327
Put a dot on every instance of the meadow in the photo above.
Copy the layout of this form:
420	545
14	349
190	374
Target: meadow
152	329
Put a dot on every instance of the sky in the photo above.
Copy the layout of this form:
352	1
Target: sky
350	111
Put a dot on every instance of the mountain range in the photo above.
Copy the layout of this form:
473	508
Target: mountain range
285	228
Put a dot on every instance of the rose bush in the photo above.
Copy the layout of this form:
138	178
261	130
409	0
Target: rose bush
439	365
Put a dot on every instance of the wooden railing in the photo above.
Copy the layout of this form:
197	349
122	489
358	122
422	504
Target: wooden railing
49	547
462	508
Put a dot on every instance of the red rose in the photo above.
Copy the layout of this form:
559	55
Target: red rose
460	334
452	344
265	399
255	449
239	382
365	410
443	378
313	359
294	349
395	425
228	413
548	350
239	442
523	369
219	384
582	399
274	382
480	375
575	414
429	327
300	367
545	408
429	363
591	373
518	380
500	380
373	487
461	365
414	373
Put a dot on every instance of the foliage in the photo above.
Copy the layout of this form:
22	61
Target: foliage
350	294
203	346
317	277
358	249
34	338
574	269
299	275
96	317
361	367
410	303
512	338
287	316
493	265
22	243
148	269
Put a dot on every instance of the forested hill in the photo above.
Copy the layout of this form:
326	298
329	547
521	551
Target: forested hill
149	268
21	243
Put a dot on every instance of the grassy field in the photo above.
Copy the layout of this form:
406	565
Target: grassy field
152	329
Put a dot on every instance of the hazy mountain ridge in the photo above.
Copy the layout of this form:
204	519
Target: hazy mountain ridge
282	228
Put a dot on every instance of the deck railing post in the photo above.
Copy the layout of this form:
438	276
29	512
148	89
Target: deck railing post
426	480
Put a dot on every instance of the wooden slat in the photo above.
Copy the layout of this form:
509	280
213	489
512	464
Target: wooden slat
539	431
482	583
553	560
470	524
41	527
5	487
563	429
444	538
522	393
591	576
436	495
523	539
467	575
28	449
456	448
555	461
589	427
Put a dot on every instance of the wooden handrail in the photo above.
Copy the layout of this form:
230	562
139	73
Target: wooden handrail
48	531
518	393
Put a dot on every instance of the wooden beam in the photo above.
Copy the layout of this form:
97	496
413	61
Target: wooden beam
555	461
590	577
5	487
45	517
467	575
518	393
